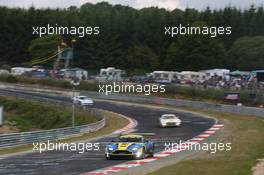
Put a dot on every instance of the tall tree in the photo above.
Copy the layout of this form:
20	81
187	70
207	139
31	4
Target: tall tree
141	57
124	31
247	53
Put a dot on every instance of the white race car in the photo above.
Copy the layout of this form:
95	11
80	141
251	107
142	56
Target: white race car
83	100
167	120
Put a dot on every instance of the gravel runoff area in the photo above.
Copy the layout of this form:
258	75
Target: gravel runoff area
259	168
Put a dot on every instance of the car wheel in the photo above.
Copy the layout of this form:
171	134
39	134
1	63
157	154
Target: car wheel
107	158
143	154
151	154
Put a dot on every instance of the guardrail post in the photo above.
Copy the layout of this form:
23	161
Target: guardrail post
1	115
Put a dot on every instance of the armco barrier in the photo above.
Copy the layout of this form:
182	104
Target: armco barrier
7	140
244	110
22	138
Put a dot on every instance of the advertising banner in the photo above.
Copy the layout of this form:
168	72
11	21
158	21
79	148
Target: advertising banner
232	96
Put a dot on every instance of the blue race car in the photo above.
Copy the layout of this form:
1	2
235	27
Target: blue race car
133	146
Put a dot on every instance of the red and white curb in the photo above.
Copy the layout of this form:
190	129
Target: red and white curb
128	128
135	163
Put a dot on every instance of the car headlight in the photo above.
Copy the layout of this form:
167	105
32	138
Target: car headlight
109	149
163	122
139	152
134	149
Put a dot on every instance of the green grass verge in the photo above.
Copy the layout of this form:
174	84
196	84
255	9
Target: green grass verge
26	115
247	138
50	82
113	123
214	95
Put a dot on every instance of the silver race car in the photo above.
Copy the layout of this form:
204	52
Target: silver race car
83	101
167	120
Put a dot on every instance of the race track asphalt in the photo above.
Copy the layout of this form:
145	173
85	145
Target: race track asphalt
73	163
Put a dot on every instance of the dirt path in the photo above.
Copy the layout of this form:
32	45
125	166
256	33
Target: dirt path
259	168
8	127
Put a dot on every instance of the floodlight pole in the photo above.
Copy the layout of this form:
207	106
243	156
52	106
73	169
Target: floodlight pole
74	83
73	41
73	106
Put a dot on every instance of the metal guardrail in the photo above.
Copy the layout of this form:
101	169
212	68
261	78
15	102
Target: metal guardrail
22	138
8	140
243	110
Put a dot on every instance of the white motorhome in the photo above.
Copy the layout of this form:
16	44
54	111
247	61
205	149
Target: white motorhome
4	72
110	74
216	72
20	70
191	75
79	73
165	75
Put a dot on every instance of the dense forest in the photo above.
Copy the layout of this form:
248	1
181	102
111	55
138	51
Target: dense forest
134	39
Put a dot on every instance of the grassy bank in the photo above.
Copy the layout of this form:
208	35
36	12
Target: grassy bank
24	115
198	93
246	135
113	123
172	91
48	82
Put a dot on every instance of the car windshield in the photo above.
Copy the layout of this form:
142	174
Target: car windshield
168	117
83	98
129	139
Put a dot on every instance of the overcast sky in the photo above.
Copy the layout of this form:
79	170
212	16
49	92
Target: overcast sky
168	4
